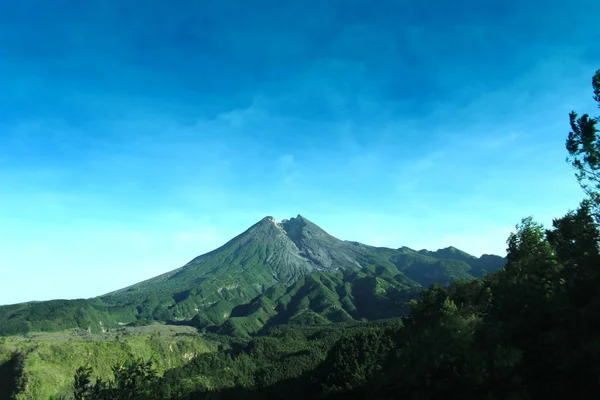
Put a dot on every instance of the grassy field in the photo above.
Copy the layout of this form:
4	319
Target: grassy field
50	359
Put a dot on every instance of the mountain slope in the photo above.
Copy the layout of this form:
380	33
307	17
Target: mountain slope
318	299
298	272
263	255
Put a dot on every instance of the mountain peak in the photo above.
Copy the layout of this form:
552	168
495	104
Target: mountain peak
266	222
450	249
300	220
299	226
453	253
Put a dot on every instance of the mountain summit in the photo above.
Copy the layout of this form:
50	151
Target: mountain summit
266	253
317	246
275	272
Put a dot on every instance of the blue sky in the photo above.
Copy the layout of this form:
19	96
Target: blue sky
134	137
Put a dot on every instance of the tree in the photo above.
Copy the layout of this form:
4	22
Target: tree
83	385
575	237
135	380
583	145
527	249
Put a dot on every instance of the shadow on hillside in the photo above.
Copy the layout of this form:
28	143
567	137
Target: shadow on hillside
291	389
10	372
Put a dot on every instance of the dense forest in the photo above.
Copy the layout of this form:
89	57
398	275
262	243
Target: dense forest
530	330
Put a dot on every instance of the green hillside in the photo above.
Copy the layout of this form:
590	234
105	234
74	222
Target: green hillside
41	366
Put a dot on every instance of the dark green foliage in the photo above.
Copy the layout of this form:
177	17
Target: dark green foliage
583	146
12	378
82	388
285	361
135	380
528	331
357	359
49	316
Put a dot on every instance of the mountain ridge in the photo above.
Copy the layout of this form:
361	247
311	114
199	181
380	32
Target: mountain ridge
295	269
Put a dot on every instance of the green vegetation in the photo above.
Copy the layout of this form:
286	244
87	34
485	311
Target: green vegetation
41	366
281	363
584	150
50	316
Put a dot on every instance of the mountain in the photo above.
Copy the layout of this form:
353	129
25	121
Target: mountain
265	254
287	272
